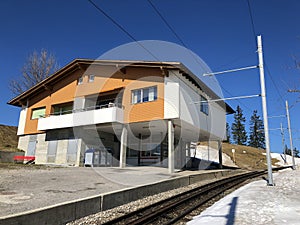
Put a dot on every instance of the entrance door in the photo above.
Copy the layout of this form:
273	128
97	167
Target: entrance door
31	148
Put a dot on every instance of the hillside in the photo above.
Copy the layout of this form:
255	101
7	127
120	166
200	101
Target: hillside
8	137
247	157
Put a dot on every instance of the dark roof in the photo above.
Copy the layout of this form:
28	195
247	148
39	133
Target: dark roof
81	63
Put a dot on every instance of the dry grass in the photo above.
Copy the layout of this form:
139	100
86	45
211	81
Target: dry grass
8	138
247	157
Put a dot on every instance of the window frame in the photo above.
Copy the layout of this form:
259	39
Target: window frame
59	109
204	107
138	97
38	116
91	78
142	98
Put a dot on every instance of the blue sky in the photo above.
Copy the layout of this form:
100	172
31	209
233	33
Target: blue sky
220	32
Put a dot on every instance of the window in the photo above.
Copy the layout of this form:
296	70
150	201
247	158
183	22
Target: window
204	105
38	113
152	95
144	95
80	80
91	78
136	96
62	109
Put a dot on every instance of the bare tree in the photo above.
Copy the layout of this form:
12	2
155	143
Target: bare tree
37	67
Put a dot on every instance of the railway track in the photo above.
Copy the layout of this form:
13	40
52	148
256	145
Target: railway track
171	210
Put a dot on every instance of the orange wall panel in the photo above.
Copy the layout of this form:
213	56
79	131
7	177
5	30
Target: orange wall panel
61	92
106	79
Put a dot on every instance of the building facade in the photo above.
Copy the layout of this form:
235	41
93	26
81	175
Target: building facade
129	112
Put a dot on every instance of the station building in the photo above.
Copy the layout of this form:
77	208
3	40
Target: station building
127	112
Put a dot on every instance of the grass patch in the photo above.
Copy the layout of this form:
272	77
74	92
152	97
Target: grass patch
247	157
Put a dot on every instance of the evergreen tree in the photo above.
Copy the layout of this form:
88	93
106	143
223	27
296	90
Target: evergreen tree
289	152
257	136
239	134
227	133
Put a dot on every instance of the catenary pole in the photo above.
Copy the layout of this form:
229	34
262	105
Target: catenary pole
264	106
290	132
282	139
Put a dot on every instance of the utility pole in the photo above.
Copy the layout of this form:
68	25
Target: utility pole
264	103
282	138
290	133
264	106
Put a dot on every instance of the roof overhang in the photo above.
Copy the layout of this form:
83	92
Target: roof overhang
83	64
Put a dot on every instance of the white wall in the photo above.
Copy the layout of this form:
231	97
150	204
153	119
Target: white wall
171	98
22	121
23	143
91	117
180	98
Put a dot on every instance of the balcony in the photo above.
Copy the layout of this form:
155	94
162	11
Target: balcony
110	113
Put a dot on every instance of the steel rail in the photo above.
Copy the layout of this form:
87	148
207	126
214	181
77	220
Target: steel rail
159	210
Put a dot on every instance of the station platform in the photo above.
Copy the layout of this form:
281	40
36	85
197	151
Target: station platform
257	203
38	196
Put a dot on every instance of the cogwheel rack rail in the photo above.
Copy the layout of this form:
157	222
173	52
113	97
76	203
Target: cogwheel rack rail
171	210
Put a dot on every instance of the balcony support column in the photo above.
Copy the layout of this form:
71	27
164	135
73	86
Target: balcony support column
123	147
171	147
220	154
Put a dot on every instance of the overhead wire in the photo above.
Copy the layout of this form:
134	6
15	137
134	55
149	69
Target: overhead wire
171	29
277	89
267	69
254	35
182	42
121	28
135	40
252	20
166	23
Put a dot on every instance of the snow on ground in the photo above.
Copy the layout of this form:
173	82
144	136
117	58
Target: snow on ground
212	154
257	203
281	158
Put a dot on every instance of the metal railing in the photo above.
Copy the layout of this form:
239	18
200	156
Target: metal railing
95	107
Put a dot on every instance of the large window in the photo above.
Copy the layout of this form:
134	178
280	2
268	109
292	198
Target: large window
62	109
204	105
144	95
38	113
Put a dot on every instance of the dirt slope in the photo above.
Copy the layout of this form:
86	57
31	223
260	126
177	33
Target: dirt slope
8	137
247	157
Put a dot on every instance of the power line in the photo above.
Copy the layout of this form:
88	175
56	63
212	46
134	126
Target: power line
135	40
234	60
254	34
240	102
251	18
166	22
182	42
121	27
173	31
277	89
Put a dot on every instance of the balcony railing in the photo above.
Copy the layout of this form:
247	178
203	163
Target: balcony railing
102	106
98	114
